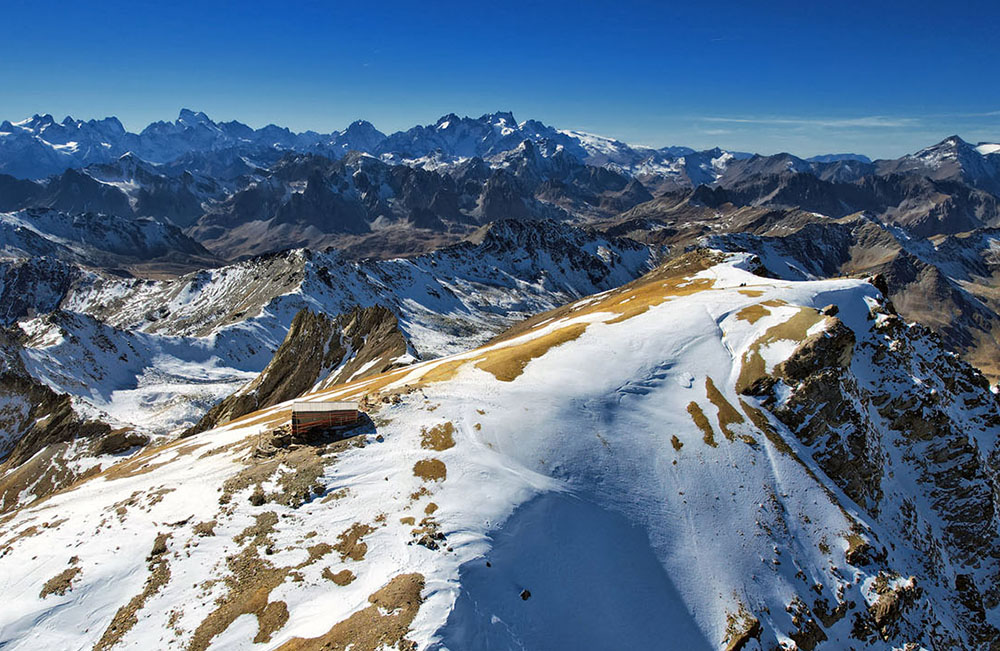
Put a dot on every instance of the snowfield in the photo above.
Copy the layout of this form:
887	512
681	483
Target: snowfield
593	481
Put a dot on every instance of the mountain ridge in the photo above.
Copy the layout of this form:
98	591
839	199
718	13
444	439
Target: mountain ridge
745	524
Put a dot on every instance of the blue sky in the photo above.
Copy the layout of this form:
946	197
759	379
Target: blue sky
880	78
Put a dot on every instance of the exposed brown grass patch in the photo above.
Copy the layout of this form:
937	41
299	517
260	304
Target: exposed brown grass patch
698	416
144	462
298	471
341	578
633	298
753	366
271	618
408	520
728	416
430	508
384	624
336	495
439	438
760	421
36	480
420	492
349	542
676	442
268	419
127	616
649	295
26	532
430	469
753	313
507	363
752	293
317	552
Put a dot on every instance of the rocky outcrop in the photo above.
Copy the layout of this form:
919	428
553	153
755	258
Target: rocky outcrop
319	351
910	435
33	286
36	427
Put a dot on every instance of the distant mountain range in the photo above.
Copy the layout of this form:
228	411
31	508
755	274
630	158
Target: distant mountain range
40	146
240	191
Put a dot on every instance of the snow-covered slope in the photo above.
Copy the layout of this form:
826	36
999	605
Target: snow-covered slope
133	379
158	354
505	498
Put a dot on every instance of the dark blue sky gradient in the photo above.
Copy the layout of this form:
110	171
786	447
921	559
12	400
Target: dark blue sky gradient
881	78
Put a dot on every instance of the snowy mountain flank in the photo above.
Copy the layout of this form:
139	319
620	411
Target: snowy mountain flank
688	491
611	396
156	355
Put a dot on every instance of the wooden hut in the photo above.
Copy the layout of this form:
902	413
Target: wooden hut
323	415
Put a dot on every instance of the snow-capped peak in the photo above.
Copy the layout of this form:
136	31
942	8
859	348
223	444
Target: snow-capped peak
190	118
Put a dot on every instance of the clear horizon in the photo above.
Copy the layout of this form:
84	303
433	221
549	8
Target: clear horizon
852	78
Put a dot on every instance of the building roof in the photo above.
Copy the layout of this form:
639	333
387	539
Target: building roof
315	406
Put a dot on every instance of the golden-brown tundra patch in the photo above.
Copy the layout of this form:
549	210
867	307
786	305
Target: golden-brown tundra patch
382	625
439	438
508	362
250	582
61	583
127	616
728	416
795	328
349	543
341	578
699	418
430	469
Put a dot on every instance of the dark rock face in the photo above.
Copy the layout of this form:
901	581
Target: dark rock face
322	208
120	441
33	286
503	198
829	349
35	428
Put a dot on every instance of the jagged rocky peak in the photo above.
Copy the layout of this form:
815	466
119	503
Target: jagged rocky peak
362	135
500	119
190	118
